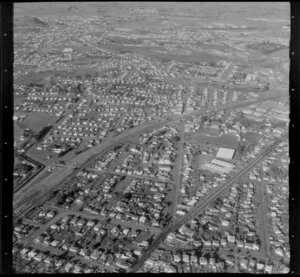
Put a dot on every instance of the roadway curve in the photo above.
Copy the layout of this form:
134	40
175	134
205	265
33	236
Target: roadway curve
36	194
58	177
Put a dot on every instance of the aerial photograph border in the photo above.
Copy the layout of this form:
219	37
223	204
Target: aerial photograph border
149	137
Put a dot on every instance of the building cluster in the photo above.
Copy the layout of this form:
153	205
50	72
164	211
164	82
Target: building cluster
219	222
116	105
154	157
211	124
197	181
135	117
203	71
268	109
52	101
22	230
220	164
224	238
41	216
87	124
273	175
211	96
97	80
24	169
89	192
143	203
97	246
192	261
137	92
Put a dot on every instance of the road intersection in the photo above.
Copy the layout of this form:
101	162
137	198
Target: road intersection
36	193
204	203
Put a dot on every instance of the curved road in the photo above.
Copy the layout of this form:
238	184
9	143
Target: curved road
35	195
52	181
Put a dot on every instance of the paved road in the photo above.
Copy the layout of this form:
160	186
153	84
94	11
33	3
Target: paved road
35	194
204	203
102	219
40	167
35	157
179	161
231	105
52	180
264	227
178	169
56	123
143	177
43	228
34	161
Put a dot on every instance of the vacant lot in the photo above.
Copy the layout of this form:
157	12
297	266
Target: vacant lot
17	132
17	100
38	120
226	141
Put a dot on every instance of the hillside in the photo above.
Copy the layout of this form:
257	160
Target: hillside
30	22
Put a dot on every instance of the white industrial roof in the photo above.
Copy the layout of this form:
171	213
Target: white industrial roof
225	153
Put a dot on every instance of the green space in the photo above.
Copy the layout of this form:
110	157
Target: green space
18	131
227	141
38	120
17	100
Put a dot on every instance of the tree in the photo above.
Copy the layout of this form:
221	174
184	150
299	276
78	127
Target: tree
128	196
241	148
250	147
151	239
118	194
60	199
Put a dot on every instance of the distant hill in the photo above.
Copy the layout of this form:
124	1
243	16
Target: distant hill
31	22
62	24
226	11
72	8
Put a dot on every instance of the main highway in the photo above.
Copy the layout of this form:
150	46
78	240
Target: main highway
205	202
36	194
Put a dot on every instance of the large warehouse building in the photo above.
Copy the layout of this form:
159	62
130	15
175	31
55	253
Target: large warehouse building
225	153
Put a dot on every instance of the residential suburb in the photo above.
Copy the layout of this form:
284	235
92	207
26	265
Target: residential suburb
151	137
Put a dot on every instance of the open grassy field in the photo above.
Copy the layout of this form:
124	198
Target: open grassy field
18	131
17	100
227	141
39	78
38	120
